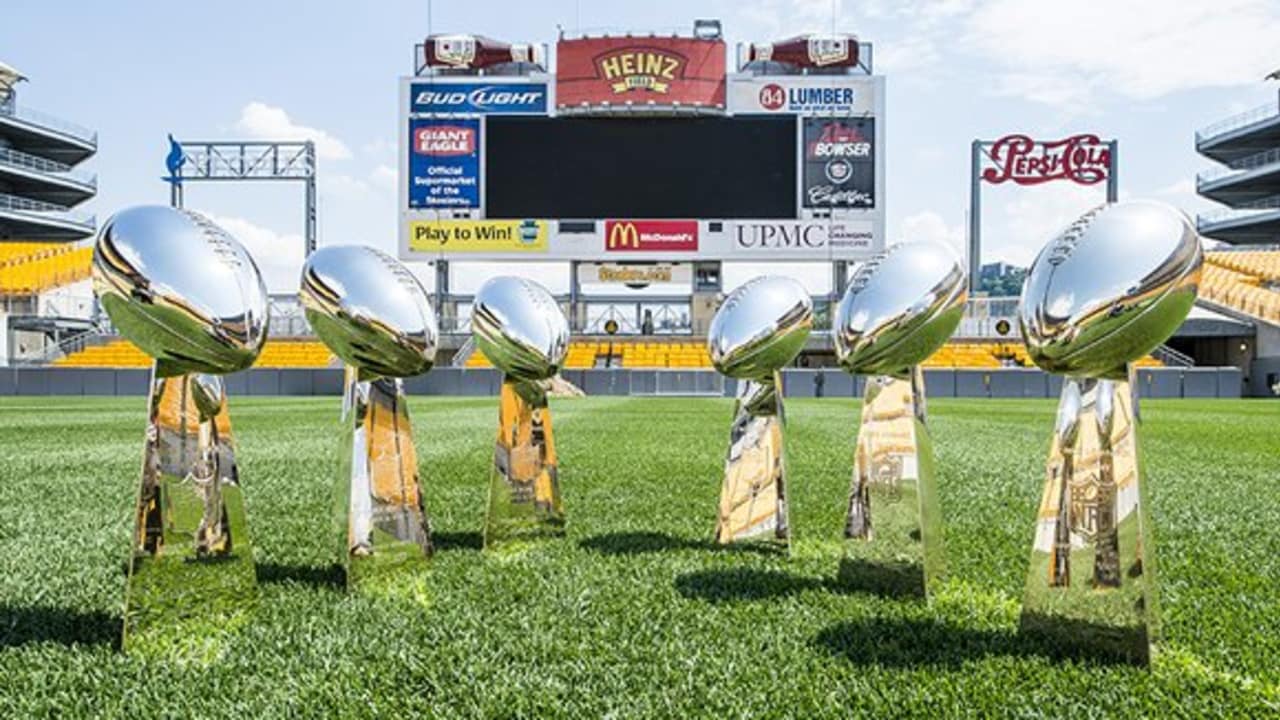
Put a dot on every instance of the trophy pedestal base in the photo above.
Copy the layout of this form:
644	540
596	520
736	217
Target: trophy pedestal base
753	498
893	528
191	574
379	511
1091	586
524	487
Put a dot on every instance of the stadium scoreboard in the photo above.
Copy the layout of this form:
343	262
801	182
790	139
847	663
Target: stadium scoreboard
642	148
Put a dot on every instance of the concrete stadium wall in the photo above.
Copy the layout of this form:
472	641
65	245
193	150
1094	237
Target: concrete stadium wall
828	382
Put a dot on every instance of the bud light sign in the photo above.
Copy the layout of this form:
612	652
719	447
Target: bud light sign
839	163
478	98
444	163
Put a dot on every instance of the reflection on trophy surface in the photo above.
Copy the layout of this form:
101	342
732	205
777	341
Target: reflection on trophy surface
374	315
521	330
187	294
1104	293
758	330
900	307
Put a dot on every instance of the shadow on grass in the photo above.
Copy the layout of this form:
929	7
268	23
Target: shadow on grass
743	584
639	543
900	580
924	643
324	577
29	625
895	581
448	542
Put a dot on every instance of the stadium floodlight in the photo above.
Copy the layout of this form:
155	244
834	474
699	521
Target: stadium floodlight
707	29
1101	295
373	314
900	307
8	78
759	330
190	296
522	331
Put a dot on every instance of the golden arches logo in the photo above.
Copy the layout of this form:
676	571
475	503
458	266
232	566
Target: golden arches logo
624	235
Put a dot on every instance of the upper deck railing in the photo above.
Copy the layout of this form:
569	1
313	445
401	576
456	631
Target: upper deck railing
1241	166
1244	210
43	210
30	116
1235	122
27	161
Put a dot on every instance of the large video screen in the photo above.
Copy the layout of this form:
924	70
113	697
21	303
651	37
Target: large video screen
740	167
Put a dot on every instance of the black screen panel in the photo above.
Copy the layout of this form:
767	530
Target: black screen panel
741	167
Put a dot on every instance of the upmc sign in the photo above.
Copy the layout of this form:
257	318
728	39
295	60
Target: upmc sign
651	236
661	71
479	98
800	239
1084	159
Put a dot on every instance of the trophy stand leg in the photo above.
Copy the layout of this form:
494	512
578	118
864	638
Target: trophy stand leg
893	529
1092	580
191	570
753	499
524	486
379	510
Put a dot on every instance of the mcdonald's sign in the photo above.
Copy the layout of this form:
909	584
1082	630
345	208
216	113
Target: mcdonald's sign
651	236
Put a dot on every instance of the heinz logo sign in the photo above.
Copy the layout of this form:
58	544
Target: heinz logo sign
444	140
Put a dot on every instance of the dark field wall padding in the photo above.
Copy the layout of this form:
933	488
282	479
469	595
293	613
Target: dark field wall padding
798	383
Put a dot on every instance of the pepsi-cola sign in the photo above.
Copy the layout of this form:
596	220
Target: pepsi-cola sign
1084	159
478	98
839	163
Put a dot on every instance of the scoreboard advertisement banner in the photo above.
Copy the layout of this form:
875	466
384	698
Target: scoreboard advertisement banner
839	163
653	236
746	240
446	237
802	240
444	163
664	71
802	95
506	98
647	275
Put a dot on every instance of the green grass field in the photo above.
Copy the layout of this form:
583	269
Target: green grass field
634	613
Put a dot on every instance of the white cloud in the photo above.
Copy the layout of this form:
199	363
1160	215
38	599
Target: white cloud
1018	221
385	177
266	122
930	226
279	256
1139	49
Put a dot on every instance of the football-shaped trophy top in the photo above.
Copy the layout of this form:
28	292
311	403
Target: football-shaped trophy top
900	307
181	289
369	310
760	328
520	328
1110	288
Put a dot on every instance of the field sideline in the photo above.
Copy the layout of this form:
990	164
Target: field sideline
635	613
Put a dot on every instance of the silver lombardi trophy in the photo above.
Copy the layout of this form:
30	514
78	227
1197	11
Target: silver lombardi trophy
522	331
758	330
899	309
373	314
190	296
1102	294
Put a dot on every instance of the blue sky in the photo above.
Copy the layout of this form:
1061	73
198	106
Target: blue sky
1146	72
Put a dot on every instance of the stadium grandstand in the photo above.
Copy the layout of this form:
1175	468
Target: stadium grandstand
1242	275
629	310
44	264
